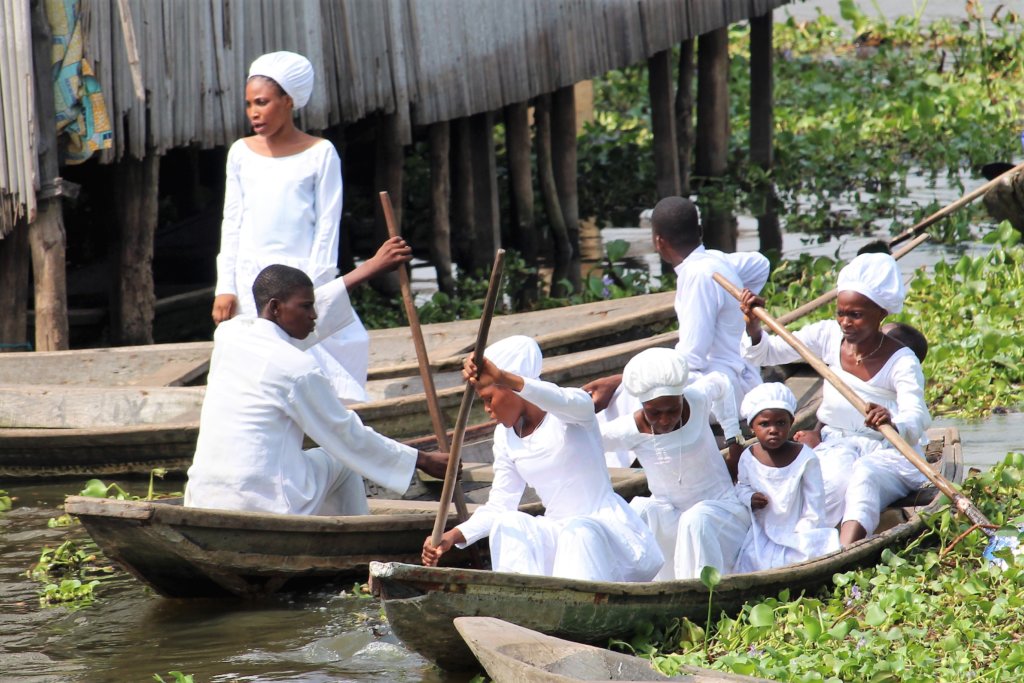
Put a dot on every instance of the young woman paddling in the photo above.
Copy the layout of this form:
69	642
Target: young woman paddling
282	205
548	439
862	473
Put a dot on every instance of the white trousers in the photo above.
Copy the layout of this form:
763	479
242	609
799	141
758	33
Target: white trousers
574	548
878	479
709	533
346	493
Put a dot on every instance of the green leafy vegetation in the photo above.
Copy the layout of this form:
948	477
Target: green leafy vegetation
934	611
176	677
859	105
66	572
6	503
97	488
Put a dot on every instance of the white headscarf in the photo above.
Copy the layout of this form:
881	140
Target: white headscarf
877	277
655	372
517	354
291	71
767	396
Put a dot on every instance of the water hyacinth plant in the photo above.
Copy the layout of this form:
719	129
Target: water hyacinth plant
933	611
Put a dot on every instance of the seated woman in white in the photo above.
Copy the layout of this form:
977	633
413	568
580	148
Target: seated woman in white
862	473
781	481
693	509
548	439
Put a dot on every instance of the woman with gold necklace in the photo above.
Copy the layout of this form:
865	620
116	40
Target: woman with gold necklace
862	473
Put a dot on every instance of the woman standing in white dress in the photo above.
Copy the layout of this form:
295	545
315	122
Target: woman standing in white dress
548	439
781	481
282	204
862	473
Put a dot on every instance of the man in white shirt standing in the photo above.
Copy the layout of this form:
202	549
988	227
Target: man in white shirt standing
263	394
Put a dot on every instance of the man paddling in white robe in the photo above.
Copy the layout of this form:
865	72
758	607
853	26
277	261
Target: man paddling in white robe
693	510
710	322
263	394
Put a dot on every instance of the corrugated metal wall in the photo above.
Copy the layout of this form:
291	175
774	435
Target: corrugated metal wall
424	60
18	162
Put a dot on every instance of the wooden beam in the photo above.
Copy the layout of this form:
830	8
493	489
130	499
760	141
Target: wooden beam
684	114
485	189
563	163
666	157
560	245
762	130
136	186
524	230
712	138
14	258
46	234
463	234
440	196
387	177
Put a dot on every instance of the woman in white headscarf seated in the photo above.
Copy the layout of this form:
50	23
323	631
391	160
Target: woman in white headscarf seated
781	481
693	509
862	473
548	438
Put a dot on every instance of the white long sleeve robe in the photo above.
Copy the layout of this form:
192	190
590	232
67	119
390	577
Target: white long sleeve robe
693	509
792	527
862	473
287	210
262	395
587	531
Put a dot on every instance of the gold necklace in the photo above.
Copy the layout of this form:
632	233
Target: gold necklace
859	358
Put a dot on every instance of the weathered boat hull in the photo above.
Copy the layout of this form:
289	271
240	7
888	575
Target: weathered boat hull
512	654
194	552
422	602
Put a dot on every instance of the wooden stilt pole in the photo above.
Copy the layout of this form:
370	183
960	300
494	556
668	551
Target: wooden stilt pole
440	197
524	231
684	114
135	205
666	153
713	134
463	209
563	162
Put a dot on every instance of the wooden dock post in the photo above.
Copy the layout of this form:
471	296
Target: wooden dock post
387	176
713	134
563	157
666	153
524	231
561	247
485	189
136	184
762	126
440	197
684	115
14	257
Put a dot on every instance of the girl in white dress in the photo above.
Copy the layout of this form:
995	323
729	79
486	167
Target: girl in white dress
282	204
781	481
862	473
548	439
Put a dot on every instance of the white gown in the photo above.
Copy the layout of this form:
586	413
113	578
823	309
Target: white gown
862	472
287	210
791	528
587	532
262	395
693	509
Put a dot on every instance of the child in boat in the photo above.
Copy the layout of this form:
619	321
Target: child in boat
693	509
548	439
781	481
862	473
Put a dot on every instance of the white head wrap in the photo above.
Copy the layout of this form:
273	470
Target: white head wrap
517	354
291	71
654	373
767	396
877	277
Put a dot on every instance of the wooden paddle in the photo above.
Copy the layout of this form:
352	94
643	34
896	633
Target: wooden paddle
433	405
945	211
467	399
961	502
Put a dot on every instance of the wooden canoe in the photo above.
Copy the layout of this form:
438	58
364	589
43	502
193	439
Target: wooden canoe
193	552
73	430
392	354
422	602
513	654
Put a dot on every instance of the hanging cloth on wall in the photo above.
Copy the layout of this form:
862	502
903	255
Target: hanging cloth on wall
83	126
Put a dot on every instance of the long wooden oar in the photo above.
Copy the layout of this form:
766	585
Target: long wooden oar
828	296
455	452
945	211
961	501
433	405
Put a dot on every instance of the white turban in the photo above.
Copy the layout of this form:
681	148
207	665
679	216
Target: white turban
767	396
655	372
291	71
877	277
517	354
